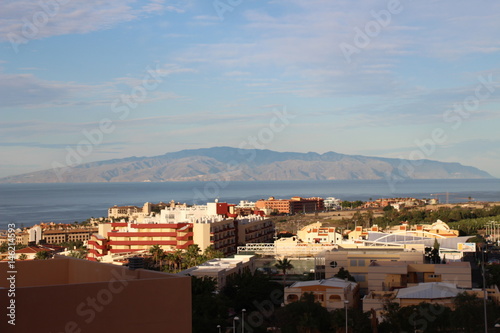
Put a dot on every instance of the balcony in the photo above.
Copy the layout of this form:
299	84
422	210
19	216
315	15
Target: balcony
142	234
146	242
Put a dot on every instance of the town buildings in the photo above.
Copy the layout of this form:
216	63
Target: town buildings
331	293
390	275
357	261
291	206
442	293
222	268
316	233
398	203
178	226
54	234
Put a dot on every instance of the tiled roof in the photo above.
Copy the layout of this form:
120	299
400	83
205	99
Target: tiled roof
31	249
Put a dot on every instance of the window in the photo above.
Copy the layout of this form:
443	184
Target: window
359	277
361	262
333	264
354	262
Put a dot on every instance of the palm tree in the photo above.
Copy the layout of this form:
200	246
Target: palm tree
158	254
193	255
284	265
211	253
23	256
178	259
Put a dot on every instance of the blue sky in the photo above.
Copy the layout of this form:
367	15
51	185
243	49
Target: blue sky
407	79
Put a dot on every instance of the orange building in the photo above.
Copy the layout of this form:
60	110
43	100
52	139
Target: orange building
72	295
291	206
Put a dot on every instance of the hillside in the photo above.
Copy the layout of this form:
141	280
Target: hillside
245	164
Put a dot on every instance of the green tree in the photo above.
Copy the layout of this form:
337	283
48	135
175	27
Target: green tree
391	320
284	265
493	275
193	255
4	247
179	261
170	262
209	308
467	312
211	253
304	316
23	256
388	208
434	253
157	253
358	321
79	254
247	290
344	274
43	255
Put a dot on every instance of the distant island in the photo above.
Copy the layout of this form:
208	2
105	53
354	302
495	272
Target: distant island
233	164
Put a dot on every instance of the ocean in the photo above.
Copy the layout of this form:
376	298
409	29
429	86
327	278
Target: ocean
28	204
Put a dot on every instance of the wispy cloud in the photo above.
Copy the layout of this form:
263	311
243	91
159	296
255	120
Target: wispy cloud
28	90
52	145
37	20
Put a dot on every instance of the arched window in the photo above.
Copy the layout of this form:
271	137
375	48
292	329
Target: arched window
334	298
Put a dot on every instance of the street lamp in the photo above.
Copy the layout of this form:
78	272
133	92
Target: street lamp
485	294
243	320
218	326
346	328
414	322
235	319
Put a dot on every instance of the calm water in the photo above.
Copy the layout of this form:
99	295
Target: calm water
27	204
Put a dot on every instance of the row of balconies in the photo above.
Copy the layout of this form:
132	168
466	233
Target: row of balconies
250	230
224	227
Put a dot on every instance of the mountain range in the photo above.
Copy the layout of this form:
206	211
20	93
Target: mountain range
227	163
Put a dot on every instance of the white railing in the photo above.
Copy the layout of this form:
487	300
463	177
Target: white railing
271	249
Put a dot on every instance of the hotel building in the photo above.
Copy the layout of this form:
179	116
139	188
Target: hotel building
177	227
291	206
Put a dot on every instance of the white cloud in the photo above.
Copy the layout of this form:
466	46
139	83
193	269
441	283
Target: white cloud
24	20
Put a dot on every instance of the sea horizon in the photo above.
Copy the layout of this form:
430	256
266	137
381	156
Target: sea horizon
26	204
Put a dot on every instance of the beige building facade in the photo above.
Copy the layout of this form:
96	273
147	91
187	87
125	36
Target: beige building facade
390	275
331	293
357	261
